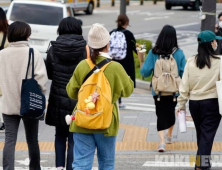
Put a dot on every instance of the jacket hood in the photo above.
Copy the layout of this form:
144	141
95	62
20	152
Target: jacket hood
69	47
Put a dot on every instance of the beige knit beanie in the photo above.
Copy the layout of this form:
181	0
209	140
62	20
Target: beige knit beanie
98	36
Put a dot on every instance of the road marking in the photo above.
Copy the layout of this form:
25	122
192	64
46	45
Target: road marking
175	164
154	18
185	25
44	168
130	117
26	161
140	109
190	124
139	104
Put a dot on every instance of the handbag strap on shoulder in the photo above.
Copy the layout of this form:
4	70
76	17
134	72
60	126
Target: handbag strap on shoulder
31	55
3	42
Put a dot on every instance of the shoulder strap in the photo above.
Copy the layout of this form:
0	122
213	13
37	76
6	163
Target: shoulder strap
123	30
3	42
31	55
48	47
98	66
221	68
87	52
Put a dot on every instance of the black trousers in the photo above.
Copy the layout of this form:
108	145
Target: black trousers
31	131
61	137
206	117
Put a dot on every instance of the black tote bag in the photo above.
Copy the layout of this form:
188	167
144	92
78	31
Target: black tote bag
32	99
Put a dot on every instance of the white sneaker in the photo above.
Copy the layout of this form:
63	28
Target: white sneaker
60	168
162	147
122	106
168	140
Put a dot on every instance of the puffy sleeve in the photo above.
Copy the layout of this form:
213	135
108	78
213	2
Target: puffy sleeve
48	63
148	65
76	80
182	65
184	88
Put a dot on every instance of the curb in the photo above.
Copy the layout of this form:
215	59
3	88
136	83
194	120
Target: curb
143	85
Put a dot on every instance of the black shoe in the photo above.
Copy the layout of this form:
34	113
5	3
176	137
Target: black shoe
2	128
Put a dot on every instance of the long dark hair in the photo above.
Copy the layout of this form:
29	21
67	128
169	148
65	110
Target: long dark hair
166	41
94	53
205	52
3	21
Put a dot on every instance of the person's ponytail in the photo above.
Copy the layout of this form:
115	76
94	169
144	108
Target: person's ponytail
95	53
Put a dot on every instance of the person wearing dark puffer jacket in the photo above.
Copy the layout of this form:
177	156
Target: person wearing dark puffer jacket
62	58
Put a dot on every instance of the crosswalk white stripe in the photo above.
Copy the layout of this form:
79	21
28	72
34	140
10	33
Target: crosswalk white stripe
140	108
175	164
140	104
43	168
185	25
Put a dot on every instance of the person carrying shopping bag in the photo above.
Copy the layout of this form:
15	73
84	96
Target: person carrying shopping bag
168	57
63	57
198	85
95	121
3	44
13	75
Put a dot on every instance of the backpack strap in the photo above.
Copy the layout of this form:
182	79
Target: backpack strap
123	30
3	42
98	66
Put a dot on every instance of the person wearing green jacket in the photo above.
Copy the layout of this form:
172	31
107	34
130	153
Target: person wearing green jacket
86	141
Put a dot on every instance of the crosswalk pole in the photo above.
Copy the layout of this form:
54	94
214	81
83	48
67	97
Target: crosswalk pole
141	2
122	6
113	3
98	3
209	10
127	2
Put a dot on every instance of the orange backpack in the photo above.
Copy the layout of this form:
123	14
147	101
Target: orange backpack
94	108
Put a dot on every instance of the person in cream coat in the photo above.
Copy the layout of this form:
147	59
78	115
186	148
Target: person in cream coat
14	61
3	44
199	87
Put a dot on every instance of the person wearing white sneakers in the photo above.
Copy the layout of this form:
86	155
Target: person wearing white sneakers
3	44
165	104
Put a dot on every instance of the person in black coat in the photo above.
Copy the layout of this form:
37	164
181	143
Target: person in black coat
128	62
62	58
218	32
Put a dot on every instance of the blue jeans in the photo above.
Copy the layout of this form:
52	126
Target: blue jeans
62	134
84	150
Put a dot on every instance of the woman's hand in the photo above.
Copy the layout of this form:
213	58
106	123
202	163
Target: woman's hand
178	111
